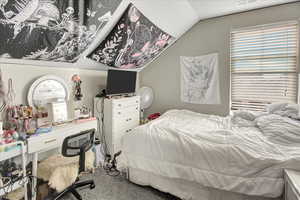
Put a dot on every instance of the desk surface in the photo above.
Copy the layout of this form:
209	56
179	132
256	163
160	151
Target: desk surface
54	139
69	126
58	132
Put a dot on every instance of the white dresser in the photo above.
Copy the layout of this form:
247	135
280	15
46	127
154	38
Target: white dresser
121	115
292	185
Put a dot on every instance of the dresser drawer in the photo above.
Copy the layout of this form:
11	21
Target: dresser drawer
124	124
126	112
124	103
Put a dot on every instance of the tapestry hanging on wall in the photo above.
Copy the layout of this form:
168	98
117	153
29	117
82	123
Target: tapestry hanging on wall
133	42
51	30
200	79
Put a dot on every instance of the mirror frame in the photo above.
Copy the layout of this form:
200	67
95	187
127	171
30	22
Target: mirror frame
37	82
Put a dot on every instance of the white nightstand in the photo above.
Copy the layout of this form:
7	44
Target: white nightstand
292	185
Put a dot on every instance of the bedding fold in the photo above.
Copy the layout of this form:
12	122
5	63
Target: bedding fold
211	151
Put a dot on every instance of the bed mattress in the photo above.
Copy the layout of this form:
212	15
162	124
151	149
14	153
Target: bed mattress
209	151
186	190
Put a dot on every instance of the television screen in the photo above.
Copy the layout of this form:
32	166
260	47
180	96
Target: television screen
120	82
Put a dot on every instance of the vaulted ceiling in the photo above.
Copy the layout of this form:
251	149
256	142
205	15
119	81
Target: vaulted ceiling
76	28
177	16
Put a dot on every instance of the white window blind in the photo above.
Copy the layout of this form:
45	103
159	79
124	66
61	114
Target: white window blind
264	63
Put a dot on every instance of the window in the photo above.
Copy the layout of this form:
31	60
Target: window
264	63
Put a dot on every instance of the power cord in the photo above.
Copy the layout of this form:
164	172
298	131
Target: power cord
100	119
110	162
110	165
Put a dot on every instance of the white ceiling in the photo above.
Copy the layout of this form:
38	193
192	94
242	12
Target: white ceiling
177	16
214	8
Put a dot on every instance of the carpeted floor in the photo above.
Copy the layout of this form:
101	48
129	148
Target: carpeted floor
118	188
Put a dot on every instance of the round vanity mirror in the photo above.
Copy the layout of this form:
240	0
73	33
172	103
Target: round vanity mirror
47	89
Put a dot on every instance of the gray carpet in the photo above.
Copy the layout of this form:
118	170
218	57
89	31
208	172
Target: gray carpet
118	188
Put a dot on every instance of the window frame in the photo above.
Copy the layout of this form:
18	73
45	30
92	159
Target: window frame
257	27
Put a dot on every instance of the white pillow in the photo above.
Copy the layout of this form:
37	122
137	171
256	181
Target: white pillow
287	110
245	118
271	108
248	115
280	130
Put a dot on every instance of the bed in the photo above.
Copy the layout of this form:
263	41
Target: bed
205	157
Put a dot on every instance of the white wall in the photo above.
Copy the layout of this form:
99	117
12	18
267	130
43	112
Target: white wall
208	36
24	75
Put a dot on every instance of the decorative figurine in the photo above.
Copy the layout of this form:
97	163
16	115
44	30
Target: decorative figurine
77	90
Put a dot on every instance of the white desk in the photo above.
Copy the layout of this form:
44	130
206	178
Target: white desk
53	140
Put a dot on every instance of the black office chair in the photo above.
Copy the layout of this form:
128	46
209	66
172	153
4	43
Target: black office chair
73	146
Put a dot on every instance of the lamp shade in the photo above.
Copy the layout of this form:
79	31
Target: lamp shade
147	96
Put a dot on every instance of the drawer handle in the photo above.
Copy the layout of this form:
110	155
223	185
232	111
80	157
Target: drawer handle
119	105
128	130
127	120
49	141
119	113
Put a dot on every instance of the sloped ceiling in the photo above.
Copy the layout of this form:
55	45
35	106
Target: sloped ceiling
177	16
214	8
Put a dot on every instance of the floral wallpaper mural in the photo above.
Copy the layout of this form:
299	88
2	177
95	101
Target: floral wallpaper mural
133	42
51	30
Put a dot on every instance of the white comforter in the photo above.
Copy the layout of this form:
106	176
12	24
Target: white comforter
208	150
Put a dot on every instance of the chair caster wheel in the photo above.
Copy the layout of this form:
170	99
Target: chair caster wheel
92	186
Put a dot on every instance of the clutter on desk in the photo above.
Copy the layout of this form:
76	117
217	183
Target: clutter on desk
58	111
85	120
49	105
12	146
43	130
41	112
85	112
77	87
19	118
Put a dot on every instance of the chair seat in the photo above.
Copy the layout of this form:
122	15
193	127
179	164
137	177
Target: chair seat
61	172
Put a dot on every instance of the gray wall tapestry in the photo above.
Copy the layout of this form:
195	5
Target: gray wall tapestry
200	79
132	43
51	30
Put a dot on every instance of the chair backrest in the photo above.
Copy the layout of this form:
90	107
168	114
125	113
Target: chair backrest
77	145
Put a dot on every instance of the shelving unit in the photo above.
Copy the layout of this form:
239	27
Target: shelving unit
19	149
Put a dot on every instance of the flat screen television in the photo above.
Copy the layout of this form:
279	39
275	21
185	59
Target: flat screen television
120	82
